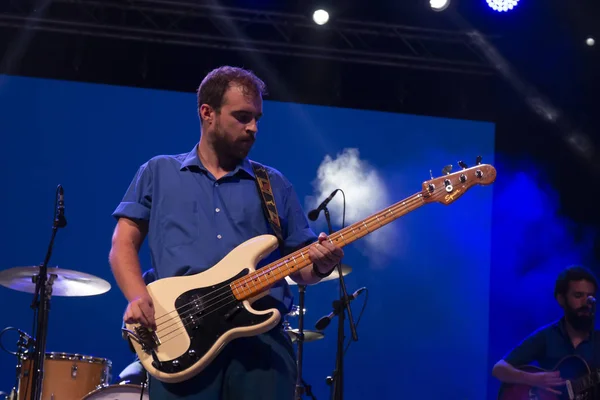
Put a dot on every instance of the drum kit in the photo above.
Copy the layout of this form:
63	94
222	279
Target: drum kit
306	335
76	376
64	375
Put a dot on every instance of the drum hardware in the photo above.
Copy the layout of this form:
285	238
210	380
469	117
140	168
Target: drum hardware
43	282
301	335
59	282
309	335
24	344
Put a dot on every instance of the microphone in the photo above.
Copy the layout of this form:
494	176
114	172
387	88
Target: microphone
591	302
62	221
324	321
314	214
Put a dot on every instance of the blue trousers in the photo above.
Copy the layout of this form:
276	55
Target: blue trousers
261	367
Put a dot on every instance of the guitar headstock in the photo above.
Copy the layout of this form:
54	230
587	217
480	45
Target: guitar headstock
450	186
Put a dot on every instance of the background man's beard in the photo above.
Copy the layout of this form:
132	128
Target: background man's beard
579	322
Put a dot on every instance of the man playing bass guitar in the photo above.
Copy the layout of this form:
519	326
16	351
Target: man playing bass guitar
563	349
196	207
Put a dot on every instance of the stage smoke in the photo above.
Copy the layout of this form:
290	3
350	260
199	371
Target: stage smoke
534	242
366	193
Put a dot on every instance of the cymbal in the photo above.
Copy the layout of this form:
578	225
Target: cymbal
309	336
67	283
346	269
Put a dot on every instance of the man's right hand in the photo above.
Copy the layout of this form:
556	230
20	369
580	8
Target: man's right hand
141	311
548	381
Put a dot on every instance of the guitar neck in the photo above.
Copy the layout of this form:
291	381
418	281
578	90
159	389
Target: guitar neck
258	281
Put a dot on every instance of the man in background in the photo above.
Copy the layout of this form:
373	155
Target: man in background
575	291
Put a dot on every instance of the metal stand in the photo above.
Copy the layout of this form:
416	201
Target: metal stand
301	386
592	302
337	377
23	345
41	302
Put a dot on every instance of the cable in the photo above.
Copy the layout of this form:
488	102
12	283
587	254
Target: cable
144	385
343	209
340	287
358	319
10	328
343	226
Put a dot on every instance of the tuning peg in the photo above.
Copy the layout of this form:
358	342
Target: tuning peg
462	164
447	169
478	160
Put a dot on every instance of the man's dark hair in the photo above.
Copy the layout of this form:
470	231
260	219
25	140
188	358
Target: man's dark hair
215	84
573	274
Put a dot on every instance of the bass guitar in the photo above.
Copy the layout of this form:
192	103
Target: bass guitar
580	382
197	316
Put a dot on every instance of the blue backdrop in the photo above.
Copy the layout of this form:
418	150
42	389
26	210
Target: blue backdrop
425	327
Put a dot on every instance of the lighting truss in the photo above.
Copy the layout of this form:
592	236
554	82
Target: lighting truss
205	25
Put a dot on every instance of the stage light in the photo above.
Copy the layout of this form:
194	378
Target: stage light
502	5
590	41
439	5
320	17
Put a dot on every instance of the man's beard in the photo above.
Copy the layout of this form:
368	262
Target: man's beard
579	322
234	150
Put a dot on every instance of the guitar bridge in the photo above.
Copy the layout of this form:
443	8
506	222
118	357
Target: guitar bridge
146	338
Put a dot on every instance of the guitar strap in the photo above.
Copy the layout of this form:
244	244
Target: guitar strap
268	200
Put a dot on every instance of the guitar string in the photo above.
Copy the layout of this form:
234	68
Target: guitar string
277	271
212	301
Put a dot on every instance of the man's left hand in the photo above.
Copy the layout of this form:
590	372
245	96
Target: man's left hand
324	254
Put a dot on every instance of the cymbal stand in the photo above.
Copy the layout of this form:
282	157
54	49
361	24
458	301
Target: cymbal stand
301	386
41	300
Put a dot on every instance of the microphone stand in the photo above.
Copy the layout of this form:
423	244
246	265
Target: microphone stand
41	303
595	391
338	306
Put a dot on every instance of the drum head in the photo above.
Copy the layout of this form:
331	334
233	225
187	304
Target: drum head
118	392
77	357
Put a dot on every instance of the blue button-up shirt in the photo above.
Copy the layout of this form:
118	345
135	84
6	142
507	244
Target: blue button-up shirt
195	220
549	345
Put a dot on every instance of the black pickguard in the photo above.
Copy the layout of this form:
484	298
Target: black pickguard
207	314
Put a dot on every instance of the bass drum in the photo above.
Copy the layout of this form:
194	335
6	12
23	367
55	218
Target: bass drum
125	391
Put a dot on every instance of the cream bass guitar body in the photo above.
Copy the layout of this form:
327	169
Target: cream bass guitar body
198	315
